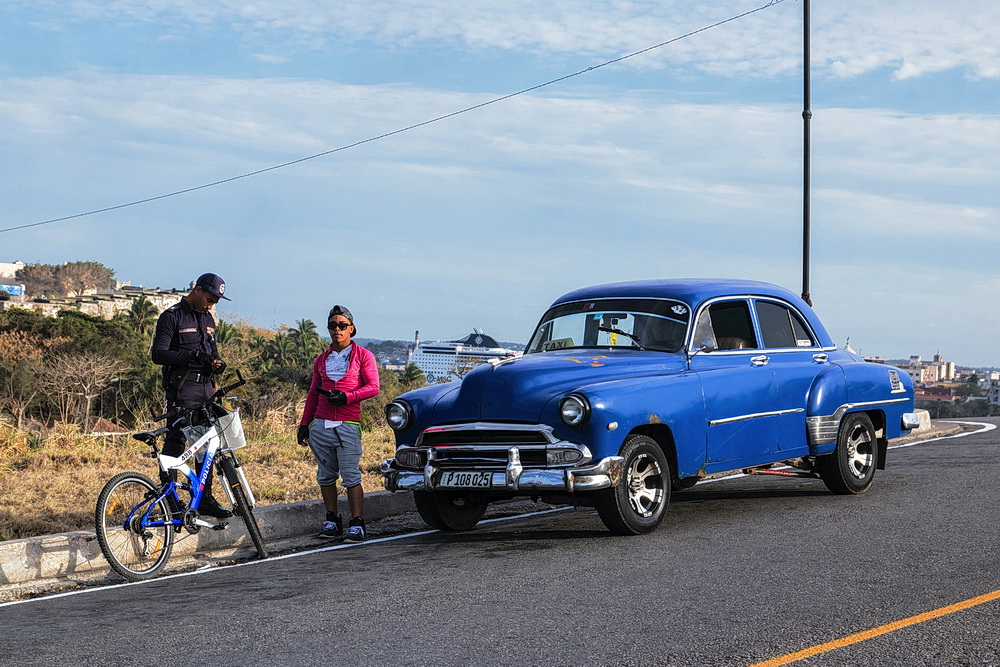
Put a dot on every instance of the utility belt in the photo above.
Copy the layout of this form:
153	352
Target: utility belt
182	376
200	378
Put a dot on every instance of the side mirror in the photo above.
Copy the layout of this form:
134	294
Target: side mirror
707	345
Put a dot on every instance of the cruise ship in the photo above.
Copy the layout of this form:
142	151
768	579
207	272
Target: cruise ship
450	360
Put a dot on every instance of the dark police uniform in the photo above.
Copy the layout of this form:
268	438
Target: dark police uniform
180	332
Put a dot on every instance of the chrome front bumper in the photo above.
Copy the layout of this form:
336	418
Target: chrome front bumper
514	478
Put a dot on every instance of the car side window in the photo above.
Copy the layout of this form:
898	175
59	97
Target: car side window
727	325
782	327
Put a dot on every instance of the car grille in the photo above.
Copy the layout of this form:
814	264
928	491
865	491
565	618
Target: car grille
486	446
496	438
458	457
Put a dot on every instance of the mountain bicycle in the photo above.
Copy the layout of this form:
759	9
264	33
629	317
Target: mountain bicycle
136	519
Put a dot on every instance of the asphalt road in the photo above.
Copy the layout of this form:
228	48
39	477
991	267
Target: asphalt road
743	571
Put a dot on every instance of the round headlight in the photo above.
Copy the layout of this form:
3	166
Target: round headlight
399	415
574	409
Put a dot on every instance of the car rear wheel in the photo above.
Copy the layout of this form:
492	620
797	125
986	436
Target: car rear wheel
449	510
851	467
638	504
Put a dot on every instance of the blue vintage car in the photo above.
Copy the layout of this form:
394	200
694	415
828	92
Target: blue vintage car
631	390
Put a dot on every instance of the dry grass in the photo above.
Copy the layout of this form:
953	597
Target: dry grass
51	486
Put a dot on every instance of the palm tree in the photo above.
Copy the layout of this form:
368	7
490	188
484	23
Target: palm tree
307	341
304	329
413	377
281	350
226	333
142	315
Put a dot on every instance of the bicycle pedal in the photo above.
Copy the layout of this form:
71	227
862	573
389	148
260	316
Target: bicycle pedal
220	526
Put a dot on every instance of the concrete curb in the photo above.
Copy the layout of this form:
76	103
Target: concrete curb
68	560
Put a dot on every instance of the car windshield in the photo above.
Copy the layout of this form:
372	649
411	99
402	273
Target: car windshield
649	324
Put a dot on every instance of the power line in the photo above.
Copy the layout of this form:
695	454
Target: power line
385	135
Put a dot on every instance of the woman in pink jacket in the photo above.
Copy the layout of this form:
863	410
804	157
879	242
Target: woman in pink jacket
343	376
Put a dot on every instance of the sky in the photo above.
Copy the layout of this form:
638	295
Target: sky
685	160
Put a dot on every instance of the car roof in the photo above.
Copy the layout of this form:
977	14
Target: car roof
690	290
694	292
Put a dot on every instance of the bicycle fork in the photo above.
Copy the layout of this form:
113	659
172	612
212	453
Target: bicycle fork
232	472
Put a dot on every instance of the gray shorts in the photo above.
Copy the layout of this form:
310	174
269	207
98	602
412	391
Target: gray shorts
337	452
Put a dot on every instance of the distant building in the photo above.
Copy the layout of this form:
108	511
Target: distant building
935	393
993	394
923	372
449	361
8	270
102	303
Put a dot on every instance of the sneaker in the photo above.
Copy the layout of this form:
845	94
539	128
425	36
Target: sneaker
211	507
331	529
356	531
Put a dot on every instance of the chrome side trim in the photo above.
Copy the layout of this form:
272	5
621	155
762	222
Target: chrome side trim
823	430
756	415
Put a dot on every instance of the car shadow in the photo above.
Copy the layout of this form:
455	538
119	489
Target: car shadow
771	491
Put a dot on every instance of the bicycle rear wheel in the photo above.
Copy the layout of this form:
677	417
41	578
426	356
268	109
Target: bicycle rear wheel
133	550
241	505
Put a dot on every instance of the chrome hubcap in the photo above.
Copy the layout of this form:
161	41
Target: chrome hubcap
645	485
860	453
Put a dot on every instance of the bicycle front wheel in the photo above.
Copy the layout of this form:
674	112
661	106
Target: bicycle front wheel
127	504
241	504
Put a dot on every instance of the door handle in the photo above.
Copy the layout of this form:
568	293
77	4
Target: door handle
760	361
821	358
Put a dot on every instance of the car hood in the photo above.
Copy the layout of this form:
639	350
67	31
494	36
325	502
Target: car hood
518	389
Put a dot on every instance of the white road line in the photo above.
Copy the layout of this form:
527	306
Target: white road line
985	427
392	538
296	554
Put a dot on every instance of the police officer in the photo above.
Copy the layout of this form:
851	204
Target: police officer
185	346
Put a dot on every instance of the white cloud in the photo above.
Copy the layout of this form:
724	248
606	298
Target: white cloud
911	38
485	218
271	59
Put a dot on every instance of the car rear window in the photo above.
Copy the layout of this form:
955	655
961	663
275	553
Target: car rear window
782	327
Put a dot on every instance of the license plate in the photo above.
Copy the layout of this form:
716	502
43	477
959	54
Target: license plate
466	480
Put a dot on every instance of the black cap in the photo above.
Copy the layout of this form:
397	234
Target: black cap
213	284
343	312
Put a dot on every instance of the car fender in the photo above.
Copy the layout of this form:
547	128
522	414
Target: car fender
880	388
423	402
827	395
671	406
882	391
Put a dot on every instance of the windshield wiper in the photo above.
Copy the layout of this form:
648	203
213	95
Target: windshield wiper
635	339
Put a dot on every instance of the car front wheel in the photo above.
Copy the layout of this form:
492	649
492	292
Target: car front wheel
449	510
638	504
851	467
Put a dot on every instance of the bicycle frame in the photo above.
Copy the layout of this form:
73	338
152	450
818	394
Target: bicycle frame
209	442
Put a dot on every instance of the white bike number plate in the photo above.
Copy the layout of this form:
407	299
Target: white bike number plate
466	480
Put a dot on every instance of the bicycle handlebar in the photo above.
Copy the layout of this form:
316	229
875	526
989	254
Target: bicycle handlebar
240	381
180	412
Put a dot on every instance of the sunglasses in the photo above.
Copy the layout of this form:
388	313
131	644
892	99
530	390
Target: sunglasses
338	325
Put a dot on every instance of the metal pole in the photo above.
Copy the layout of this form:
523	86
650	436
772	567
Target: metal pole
806	117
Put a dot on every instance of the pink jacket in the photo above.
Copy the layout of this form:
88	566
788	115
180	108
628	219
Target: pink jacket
360	382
